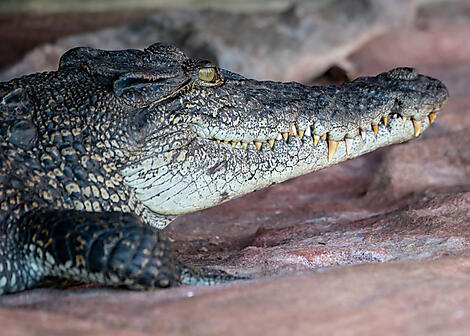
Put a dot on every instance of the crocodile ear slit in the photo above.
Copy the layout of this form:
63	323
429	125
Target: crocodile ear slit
143	88
127	82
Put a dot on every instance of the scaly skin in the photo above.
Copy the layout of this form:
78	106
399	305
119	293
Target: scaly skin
113	144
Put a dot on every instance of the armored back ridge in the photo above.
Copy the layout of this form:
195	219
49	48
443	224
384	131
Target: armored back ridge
97	155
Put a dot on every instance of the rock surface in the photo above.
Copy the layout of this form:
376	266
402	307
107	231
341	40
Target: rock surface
20	33
292	45
426	298
379	243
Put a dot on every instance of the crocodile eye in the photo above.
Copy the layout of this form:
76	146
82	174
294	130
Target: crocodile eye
208	74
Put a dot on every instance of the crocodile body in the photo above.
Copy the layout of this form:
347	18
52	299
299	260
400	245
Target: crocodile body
99	155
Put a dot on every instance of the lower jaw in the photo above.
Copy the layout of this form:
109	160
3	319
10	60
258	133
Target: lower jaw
227	172
296	157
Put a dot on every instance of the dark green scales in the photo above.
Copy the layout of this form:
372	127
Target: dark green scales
97	156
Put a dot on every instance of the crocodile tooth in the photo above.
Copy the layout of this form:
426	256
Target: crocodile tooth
301	133
308	132
279	136
234	143
349	142
226	142
375	128
285	135
323	137
271	142
218	141
332	146
258	144
431	117
403	118
292	130
417	126
362	134
316	139
244	145
385	120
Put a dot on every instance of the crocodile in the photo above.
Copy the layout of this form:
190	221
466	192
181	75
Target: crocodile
101	154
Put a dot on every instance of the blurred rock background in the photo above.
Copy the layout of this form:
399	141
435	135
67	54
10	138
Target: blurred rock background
377	244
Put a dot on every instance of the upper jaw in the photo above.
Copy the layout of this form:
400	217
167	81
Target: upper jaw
335	113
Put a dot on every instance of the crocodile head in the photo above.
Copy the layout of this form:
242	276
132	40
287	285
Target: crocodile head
199	135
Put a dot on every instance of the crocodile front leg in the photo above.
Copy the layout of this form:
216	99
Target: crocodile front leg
109	248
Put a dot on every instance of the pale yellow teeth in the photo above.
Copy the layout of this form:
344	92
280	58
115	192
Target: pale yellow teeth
258	144
218	141
234	143
301	134
431	117
279	136
417	126
285	135
271	143
375	128
226	142
332	146
308	133
403	119
363	134
292	130
316	139
385	120
323	137
244	145
349	142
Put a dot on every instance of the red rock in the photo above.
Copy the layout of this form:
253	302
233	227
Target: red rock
410	298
